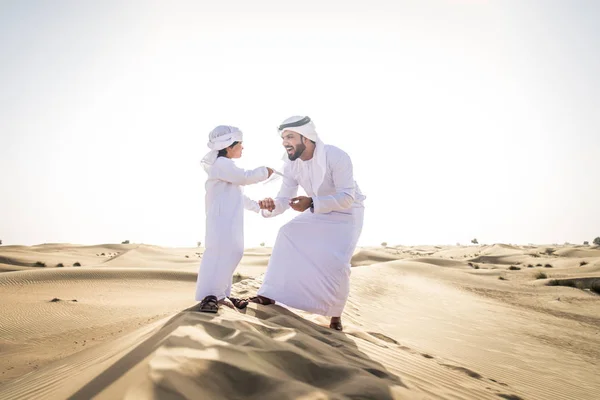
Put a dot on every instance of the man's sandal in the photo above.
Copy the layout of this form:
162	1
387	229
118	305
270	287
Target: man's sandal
265	301
336	325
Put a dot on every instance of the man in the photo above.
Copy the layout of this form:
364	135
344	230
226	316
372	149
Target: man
310	265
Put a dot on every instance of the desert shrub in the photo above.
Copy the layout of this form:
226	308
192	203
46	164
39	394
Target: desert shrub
581	264
548	266
125	242
540	275
383	244
77	264
60	265
474	241
555	282
513	268
597	241
40	264
595	286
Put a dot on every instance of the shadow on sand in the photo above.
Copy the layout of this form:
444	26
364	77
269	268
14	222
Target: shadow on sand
266	352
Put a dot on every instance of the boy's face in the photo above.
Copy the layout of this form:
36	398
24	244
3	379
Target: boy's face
235	151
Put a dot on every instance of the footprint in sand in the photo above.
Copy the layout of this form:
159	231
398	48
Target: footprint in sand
467	371
381	336
510	396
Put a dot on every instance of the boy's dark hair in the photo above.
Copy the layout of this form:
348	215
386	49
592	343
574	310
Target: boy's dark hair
223	152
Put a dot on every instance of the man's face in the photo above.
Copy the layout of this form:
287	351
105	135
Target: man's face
293	143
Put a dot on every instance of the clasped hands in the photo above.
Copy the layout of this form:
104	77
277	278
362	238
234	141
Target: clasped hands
300	203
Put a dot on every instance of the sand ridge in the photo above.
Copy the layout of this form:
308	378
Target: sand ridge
421	322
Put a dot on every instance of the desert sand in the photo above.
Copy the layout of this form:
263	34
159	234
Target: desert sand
458	322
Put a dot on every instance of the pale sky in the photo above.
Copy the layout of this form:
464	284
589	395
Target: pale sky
463	118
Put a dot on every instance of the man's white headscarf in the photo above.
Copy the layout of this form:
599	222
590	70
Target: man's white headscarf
305	127
220	138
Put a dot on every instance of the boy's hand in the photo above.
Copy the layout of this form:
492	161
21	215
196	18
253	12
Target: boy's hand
267	204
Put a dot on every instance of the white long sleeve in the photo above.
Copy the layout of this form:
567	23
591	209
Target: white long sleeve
343	179
250	204
288	190
227	171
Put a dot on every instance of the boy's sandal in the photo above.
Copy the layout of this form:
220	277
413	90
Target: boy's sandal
239	303
209	304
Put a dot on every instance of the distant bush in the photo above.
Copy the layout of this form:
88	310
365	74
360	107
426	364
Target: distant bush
40	264
60	265
199	244
549	251
0	242
262	244
581	264
597	241
529	266
541	275
555	282
538	265
383	244
547	266
77	264
502	278
586	243
102	254
534	255
593	286
125	242
186	256
513	268
474	241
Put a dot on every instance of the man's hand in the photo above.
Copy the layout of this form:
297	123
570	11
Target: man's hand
300	203
267	204
270	171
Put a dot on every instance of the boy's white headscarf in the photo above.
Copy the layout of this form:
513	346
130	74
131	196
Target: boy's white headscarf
306	128
220	138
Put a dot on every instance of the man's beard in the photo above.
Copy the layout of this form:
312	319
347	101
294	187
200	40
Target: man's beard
299	150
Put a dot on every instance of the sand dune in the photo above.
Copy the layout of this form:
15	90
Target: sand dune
422	322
